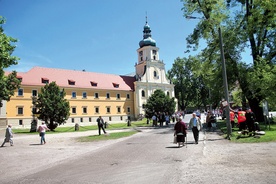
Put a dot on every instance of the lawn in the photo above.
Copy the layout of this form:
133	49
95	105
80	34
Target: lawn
270	133
110	126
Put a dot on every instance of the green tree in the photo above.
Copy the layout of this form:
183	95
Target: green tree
8	83
159	102
190	89
51	105
246	25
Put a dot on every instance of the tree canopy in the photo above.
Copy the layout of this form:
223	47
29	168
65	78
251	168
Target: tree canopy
248	28
159	102
51	105
8	83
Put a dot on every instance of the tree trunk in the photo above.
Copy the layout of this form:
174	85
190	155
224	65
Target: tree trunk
52	125
255	107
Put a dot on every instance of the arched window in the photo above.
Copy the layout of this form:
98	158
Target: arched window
143	93
168	93
155	74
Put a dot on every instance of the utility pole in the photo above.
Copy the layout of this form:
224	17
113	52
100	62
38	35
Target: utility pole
225	83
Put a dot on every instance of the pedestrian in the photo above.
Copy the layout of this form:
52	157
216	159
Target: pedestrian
8	136
42	129
208	121
241	120
180	131
232	118
250	121
100	122
195	124
167	119
154	120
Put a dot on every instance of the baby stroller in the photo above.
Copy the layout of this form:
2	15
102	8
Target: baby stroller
213	121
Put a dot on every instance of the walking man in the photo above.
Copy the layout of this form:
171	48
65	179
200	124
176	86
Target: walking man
195	124
100	122
8	136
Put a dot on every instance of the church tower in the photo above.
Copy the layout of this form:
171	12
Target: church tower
150	72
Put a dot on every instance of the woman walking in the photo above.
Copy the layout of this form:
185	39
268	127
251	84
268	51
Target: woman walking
42	129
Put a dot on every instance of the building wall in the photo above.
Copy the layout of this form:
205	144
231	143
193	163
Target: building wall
78	103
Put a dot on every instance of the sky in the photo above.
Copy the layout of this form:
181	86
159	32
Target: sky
93	35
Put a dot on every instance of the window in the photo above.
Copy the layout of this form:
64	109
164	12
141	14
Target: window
154	52
168	93
128	96
94	84
97	110
34	92
74	110
110	118
71	82
107	95
20	110
118	109
118	96
20	122
90	119
74	94
107	109
84	95
128	109
143	93
20	92
84	110
96	95
115	85
141	53
73	120
155	74
81	119
44	80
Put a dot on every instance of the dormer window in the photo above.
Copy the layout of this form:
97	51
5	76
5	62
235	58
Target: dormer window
19	78
71	82
94	84
115	85
44	80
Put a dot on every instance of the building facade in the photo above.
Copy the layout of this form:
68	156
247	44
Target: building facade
114	97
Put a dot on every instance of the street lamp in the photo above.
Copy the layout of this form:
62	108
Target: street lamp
225	83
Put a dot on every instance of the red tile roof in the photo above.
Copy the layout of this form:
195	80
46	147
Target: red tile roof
82	79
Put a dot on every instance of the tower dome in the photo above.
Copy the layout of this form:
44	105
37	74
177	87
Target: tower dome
147	40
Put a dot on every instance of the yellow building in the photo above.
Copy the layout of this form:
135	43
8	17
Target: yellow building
90	94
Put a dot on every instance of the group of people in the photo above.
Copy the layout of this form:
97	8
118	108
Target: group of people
160	118
210	120
180	128
246	120
9	134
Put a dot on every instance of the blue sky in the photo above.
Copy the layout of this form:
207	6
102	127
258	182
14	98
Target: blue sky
96	35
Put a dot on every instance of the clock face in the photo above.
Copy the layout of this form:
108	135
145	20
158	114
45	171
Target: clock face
141	53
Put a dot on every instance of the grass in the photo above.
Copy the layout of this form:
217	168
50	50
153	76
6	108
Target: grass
270	134
102	137
91	138
87	128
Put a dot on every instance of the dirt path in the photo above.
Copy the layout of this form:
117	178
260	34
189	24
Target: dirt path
223	158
